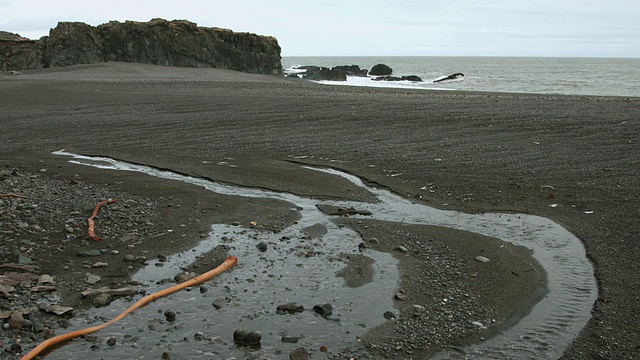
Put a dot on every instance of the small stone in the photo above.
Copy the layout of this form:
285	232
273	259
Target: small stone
203	289
401	296
401	249
389	315
289	339
89	253
262	246
239	335
478	324
115	252
68	229
180	278
162	258
101	300
323	310
129	258
99	264
16	320
111	341
374	240
218	303
23	260
170	315
93	279
299	354
253	338
46	279
198	336
217	340
290	308
482	259
56	309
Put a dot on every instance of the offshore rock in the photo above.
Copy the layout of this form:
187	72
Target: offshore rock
380	69
158	42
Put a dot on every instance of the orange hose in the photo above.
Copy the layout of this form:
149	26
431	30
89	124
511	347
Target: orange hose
90	231
228	263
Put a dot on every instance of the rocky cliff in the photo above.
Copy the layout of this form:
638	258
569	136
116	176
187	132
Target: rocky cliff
159	42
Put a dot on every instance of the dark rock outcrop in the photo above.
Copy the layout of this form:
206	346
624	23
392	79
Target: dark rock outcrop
455	76
158	42
323	73
380	69
398	78
336	73
351	70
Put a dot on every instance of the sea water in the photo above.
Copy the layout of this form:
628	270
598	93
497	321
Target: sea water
540	75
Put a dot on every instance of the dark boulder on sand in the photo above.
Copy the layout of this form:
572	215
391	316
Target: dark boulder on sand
380	69
158	42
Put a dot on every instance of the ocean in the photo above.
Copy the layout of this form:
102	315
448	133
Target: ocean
568	76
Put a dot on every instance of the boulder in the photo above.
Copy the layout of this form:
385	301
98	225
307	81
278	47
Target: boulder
380	69
158	42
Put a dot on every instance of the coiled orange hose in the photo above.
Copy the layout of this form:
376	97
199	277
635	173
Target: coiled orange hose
227	264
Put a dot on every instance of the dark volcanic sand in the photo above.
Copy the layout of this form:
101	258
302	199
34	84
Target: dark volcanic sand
477	152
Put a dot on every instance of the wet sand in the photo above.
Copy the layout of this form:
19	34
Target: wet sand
475	152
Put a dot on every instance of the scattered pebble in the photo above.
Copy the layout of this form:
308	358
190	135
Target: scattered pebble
482	259
170	315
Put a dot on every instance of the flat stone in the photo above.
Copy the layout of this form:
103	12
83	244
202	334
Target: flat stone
23	260
219	303
315	231
92	279
46	279
290	308
289	339
101	300
89	253
56	309
482	259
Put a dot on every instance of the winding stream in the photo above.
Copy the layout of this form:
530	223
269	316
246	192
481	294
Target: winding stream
281	276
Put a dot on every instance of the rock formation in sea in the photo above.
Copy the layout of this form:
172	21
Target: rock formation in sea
336	73
380	69
159	42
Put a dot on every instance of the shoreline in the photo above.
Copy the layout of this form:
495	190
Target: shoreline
473	152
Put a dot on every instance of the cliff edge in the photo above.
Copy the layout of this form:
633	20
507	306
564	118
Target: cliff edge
158	42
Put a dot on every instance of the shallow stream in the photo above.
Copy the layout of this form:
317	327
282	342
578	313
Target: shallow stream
263	280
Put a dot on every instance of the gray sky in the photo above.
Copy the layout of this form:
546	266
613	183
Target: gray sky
577	28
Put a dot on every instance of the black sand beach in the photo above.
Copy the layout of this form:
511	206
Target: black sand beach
473	152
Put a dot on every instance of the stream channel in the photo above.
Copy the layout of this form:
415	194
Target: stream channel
545	332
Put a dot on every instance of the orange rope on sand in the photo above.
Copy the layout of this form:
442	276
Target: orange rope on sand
90	233
227	264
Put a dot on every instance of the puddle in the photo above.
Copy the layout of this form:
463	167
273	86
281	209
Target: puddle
282	276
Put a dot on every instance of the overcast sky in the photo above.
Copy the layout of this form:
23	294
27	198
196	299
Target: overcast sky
598	28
